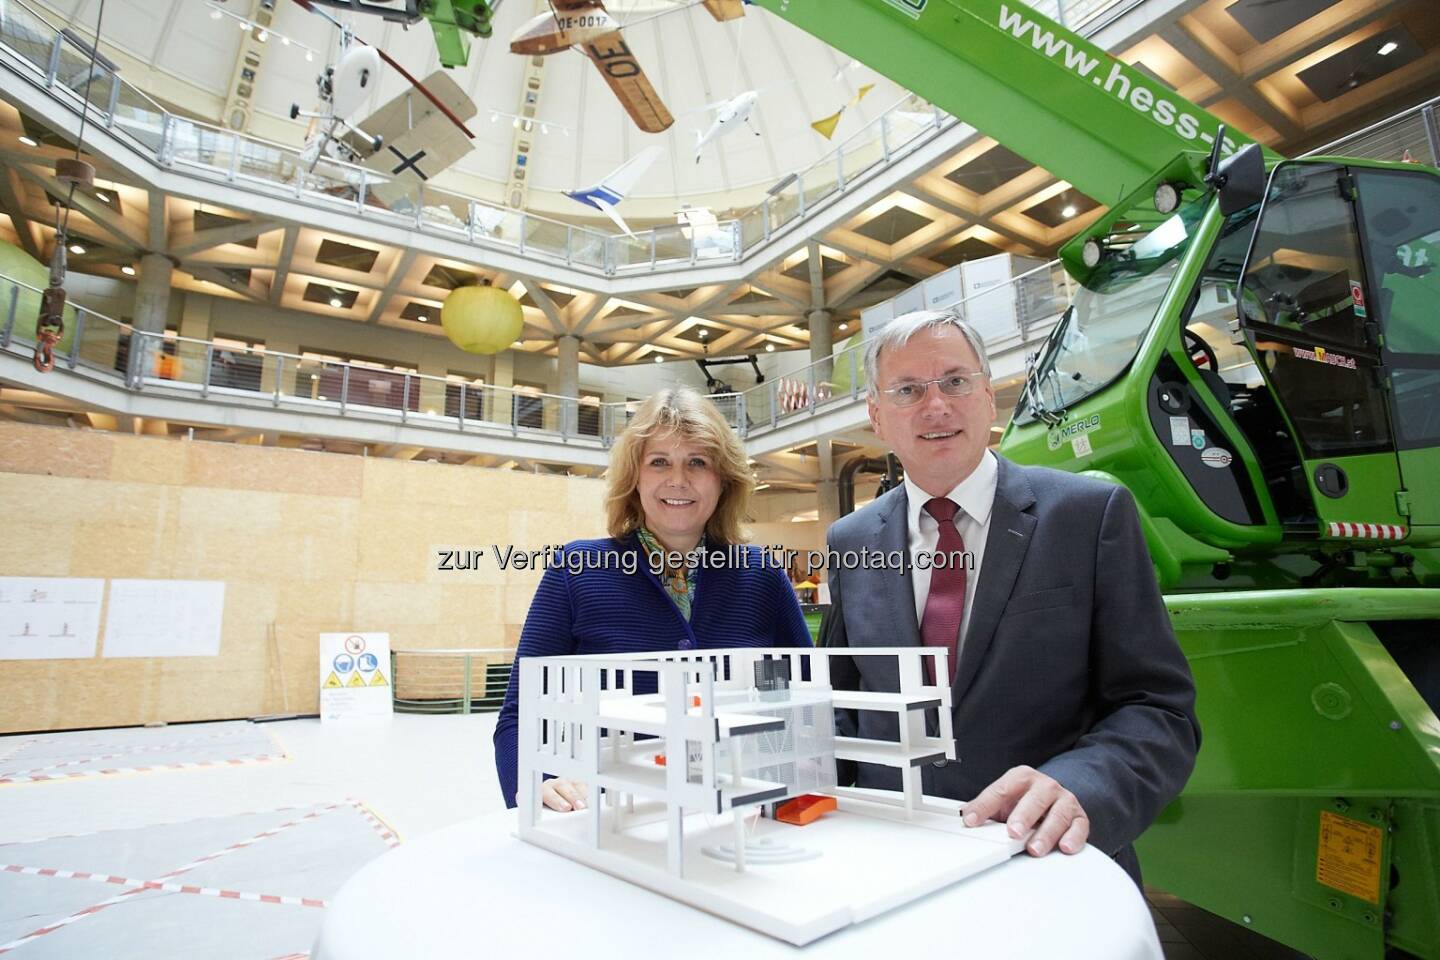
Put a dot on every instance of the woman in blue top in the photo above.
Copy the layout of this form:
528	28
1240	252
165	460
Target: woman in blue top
678	484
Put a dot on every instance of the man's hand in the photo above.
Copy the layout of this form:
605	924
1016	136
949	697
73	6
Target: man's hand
1027	799
563	795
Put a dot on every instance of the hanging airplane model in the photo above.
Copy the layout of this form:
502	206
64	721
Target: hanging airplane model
420	129
729	114
452	21
343	88
422	133
613	187
589	28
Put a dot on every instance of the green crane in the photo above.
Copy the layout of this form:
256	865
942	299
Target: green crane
1254	351
453	22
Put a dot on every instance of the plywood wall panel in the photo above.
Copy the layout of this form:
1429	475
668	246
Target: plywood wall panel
305	543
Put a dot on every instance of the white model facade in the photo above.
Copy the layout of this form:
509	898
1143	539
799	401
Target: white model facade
677	778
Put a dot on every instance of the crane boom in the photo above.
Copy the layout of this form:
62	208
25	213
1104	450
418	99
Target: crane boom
1043	91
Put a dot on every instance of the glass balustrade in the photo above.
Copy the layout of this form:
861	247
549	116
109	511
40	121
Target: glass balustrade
1009	316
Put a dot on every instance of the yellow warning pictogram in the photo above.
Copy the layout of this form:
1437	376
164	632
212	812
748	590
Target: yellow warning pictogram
1348	857
379	680
356	680
332	682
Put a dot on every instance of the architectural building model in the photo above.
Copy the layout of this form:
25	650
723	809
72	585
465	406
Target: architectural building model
683	752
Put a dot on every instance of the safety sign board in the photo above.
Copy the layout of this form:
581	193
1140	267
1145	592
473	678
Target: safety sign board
354	679
1348	857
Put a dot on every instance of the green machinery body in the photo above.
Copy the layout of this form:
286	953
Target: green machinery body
1263	373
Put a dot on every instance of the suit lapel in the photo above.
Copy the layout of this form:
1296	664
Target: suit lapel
894	535
1010	530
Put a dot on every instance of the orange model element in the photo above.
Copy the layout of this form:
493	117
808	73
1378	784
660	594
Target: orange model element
804	809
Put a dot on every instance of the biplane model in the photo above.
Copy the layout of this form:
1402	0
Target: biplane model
588	27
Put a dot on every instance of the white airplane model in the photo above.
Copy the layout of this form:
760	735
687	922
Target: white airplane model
343	89
613	187
729	114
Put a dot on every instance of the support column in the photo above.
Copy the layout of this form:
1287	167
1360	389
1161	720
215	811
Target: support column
822	347
152	309
568	365
827	495
498	406
152	294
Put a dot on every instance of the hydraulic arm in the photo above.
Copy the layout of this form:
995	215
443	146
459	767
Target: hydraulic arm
1043	91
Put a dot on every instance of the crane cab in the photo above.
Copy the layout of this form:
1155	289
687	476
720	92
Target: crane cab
1266	380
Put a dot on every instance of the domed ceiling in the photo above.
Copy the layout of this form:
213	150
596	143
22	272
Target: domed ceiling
185	54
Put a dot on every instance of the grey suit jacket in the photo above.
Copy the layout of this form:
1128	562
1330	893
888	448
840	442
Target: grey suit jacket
1069	663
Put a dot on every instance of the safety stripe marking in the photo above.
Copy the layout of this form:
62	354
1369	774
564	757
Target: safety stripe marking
1368	531
139	886
22	777
380	826
150	748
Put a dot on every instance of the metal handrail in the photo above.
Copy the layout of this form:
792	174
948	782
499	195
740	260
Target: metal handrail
817	384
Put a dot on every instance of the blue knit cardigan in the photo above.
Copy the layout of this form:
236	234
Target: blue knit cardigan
744	602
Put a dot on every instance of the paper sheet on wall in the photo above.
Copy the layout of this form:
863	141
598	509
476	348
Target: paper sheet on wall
164	618
49	618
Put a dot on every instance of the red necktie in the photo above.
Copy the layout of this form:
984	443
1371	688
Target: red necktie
945	604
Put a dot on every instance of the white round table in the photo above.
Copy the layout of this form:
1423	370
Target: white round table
473	889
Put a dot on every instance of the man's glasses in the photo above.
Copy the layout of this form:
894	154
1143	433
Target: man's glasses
907	393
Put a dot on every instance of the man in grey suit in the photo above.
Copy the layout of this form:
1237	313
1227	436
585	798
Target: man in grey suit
1074	710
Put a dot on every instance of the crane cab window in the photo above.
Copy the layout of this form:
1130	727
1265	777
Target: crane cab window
1302	300
1400	212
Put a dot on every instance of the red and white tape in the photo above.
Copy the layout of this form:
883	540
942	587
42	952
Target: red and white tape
380	826
38	775
140	886
1368	531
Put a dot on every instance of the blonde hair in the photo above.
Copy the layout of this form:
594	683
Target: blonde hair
684	411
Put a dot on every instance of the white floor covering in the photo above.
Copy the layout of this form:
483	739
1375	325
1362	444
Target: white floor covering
291	828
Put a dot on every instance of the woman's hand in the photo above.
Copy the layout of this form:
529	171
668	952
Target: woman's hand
564	795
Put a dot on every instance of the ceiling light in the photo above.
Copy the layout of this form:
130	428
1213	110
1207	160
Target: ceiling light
844	326
128	270
336	302
264	35
102	196
422	318
659	358
704	333
78	249
1069	211
769	348
28	141
1389	48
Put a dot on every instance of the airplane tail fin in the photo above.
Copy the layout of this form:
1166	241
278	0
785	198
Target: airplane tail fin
623	179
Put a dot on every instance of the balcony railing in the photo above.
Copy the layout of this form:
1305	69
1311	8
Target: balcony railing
56	61
1414	133
111	351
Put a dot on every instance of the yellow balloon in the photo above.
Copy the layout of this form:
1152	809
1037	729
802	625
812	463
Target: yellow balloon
481	319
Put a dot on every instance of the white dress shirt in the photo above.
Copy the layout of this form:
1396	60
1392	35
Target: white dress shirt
975	495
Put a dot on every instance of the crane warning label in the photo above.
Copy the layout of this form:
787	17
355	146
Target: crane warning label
1348	857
